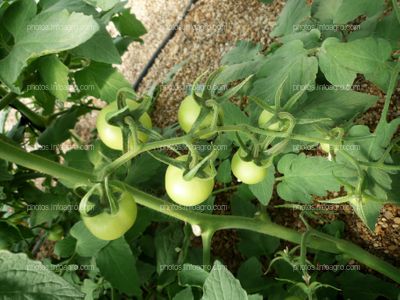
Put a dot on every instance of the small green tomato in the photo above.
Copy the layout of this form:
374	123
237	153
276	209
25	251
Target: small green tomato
187	192
188	113
112	135
56	233
265	117
109	227
247	171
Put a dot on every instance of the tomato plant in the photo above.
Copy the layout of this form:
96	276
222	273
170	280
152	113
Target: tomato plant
80	220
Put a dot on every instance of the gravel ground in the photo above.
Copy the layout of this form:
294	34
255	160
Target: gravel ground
210	30
159	17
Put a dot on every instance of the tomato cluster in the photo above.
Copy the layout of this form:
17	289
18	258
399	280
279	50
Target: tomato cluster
183	191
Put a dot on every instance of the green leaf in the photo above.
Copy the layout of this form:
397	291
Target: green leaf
58	131
340	62
192	275
117	264
339	106
166	241
294	13
185	294
53	6
354	285
306	176
104	81
310	39
240	62
377	182
221	285
291	66
251	276
78	159
257	244
50	208
368	212
241	204
18	15
224	172
65	247
55	76
87	244
351	9
36	41
387	29
107	53
103	4
243	51
128	25
146	170
325	10
343	11
263	190
233	115
89	287
22	278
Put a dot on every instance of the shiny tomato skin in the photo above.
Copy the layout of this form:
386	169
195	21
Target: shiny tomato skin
247	172
187	193
111	135
265	116
109	227
188	113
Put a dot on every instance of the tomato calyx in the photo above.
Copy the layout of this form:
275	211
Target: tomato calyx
104	200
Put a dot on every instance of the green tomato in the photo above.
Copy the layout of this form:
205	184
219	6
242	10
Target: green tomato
112	135
56	233
265	117
109	227
247	171
188	113
187	193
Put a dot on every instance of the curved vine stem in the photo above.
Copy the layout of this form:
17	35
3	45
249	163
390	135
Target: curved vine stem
318	240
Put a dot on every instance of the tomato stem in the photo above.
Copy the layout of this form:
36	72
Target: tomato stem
206	237
318	241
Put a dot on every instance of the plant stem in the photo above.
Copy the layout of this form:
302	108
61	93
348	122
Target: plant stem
40	164
213	223
6	100
140	149
36	119
206	238
226	189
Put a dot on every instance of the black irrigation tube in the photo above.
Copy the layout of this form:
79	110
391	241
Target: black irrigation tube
169	36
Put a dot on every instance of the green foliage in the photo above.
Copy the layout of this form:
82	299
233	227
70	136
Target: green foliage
22	278
60	55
